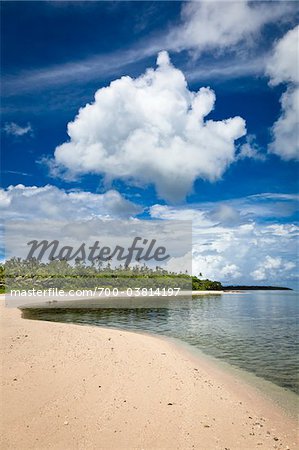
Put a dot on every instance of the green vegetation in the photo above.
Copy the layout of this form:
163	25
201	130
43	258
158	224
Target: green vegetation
205	285
22	274
256	288
2	283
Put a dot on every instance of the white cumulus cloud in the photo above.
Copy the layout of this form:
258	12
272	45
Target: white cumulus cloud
49	202
283	64
283	67
233	248
221	25
151	130
272	267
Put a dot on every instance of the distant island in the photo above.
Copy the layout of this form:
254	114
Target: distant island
256	288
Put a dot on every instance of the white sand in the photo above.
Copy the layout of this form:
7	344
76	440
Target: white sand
69	387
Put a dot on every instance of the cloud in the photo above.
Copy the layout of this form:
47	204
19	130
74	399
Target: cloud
203	26
258	207
17	172
151	130
14	129
285	130
76	217
49	202
224	214
250	149
220	26
227	67
81	71
270	267
234	243
282	67
239	246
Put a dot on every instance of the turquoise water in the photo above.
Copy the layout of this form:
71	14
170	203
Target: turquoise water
256	331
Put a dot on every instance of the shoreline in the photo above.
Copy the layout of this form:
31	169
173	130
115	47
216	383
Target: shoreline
168	397
22	300
284	398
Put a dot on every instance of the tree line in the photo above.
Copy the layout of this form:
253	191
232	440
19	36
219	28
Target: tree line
17	273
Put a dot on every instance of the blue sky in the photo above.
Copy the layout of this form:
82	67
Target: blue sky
57	55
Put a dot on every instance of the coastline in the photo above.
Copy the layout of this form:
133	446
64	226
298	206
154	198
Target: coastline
285	399
22	300
68	386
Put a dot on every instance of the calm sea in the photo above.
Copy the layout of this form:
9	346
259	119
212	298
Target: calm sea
256	331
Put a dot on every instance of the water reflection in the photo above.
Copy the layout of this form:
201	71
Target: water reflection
256	331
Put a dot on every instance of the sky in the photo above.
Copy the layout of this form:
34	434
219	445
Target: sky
158	110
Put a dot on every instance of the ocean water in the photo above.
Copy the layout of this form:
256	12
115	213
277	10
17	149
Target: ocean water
256	330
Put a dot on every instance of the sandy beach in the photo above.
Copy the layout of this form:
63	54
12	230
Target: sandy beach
67	386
